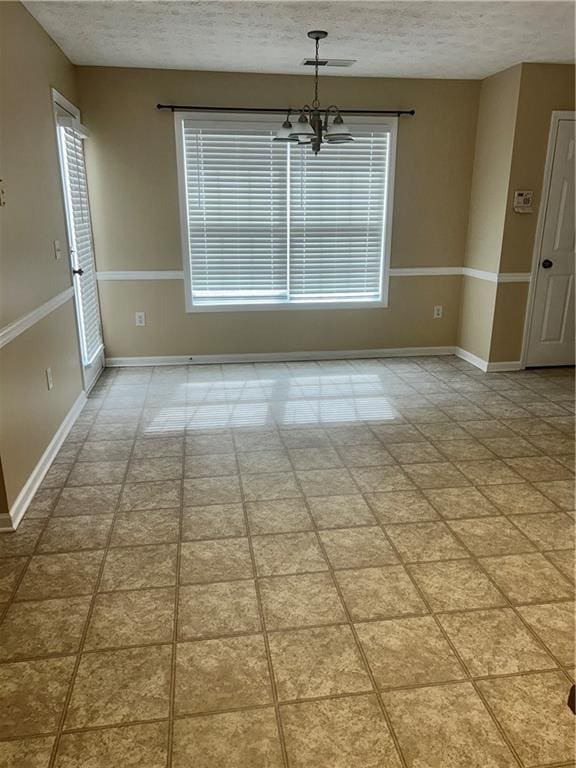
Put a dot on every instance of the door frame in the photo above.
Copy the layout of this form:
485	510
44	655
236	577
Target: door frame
88	380
557	116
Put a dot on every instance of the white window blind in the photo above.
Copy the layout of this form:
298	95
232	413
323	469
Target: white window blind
80	237
337	220
269	223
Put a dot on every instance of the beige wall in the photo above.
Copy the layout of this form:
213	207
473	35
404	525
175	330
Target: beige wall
492	161
133	187
170	331
32	219
511	142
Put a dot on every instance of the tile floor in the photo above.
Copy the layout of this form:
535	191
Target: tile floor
347	564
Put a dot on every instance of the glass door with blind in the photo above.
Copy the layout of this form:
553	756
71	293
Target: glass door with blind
71	135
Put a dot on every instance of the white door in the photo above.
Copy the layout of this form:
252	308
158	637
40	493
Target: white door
551	339
80	242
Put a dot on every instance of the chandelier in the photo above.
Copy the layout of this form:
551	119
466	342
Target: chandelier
313	126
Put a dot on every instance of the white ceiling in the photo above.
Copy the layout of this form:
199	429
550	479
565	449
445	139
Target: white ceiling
466	39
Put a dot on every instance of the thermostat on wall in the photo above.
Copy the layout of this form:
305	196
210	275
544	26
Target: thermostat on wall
523	201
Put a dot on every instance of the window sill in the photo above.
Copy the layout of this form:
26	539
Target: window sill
287	307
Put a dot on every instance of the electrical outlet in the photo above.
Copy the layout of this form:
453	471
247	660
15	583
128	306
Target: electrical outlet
437	312
140	318
49	379
57	250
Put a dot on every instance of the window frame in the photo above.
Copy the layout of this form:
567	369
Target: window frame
271	121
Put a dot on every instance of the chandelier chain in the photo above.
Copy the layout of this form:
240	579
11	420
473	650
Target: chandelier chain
316	102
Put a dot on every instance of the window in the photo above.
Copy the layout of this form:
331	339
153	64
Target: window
268	224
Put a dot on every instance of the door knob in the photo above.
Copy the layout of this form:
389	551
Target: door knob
546	264
78	272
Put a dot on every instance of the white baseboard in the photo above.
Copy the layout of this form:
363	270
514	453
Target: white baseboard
278	357
484	365
27	493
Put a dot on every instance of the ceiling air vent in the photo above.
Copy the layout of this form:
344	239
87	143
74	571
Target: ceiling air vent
329	62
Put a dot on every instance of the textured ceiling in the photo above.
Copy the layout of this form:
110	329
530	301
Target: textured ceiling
466	39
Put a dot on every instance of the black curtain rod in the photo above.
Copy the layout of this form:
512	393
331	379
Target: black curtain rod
187	108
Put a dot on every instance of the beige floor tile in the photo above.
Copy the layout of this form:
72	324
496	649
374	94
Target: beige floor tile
263	462
322	482
437	475
88	500
210	465
120	686
218	442
211	610
278	485
425	541
10	570
408	651
300	601
397	433
279	516
97	473
463	450
340	511
321	457
317	662
553	445
510	447
39	628
444	431
554	625
112	432
213	522
365	455
414	453
456	585
66	534
257	440
540	469
564	560
493	472
154	469
548	531
351	435
217	560
146	527
532	710
561	492
454	503
527	578
228	740
401	507
141	746
518	498
221	674
379	593
26	753
338	733
285	553
491	536
495	642
73	573
23	540
381	479
446	725
159	495
304	438
43	503
157	447
357	547
131	618
139	567
487	428
32	695
57	475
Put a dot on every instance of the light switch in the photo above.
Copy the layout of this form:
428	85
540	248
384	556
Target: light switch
140	318
57	250
523	201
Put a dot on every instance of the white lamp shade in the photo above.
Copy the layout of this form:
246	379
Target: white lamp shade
302	128
338	132
284	133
